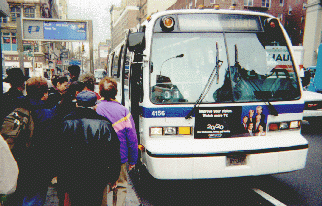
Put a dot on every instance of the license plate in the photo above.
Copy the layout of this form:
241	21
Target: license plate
235	160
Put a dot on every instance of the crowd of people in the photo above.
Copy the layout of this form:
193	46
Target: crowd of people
84	142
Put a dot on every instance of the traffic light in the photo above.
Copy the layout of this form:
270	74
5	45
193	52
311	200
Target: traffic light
83	48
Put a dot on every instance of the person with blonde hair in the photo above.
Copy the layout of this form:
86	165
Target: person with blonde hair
123	124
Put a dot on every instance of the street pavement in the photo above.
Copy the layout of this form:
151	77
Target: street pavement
131	199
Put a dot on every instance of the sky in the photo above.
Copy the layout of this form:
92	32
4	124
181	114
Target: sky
95	10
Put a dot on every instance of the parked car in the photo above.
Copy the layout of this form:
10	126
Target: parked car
313	107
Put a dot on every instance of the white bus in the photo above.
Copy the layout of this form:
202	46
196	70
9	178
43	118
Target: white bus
214	94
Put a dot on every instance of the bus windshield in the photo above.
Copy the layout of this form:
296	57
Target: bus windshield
247	67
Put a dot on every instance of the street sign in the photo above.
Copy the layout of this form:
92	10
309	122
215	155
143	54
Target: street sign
64	30
65	62
54	29
75	62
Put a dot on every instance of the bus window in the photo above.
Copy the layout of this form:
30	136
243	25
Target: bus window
187	59
115	66
118	73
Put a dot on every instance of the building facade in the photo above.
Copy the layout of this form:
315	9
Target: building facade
38	55
292	13
122	18
102	55
313	32
130	14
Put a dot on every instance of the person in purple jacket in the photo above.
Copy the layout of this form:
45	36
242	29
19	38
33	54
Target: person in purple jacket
123	124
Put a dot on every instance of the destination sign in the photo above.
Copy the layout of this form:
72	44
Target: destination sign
213	23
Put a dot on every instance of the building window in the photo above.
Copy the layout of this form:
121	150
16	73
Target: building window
3	19
30	46
265	3
212	1
302	19
15	12
9	41
281	2
29	12
248	2
190	4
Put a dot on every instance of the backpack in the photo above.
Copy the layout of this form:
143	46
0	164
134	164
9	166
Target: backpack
17	128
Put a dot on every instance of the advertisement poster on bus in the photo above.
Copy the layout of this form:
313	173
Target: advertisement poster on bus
226	122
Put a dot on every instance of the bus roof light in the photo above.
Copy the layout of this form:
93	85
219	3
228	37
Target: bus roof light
271	23
167	23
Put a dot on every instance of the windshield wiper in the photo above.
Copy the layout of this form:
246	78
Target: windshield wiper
214	73
271	108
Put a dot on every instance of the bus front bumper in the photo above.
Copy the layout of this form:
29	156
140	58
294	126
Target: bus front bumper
233	163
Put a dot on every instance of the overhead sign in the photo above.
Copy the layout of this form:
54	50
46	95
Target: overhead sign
64	30
54	29
75	62
65	62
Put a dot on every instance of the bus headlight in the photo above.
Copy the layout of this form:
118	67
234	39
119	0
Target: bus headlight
156	130
170	130
161	131
295	124
284	125
184	130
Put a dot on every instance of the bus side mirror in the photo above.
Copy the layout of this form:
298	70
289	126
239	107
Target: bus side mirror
136	42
